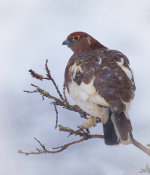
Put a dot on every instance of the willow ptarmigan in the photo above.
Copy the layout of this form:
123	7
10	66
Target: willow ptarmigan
101	83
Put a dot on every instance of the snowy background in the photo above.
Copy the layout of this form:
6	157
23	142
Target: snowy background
32	31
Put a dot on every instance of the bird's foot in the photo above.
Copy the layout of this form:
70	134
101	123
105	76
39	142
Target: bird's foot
91	121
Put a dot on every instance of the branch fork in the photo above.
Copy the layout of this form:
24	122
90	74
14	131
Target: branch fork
62	101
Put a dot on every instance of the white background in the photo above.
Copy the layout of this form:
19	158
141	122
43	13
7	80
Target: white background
32	31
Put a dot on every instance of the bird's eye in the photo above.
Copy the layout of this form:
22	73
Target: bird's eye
76	37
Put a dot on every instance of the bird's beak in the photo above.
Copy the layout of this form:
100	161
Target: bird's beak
66	42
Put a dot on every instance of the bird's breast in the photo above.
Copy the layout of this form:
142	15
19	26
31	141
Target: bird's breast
84	94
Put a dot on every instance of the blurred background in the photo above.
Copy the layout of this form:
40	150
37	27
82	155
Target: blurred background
32	31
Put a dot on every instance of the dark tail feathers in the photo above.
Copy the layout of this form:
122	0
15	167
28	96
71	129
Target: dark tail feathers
117	129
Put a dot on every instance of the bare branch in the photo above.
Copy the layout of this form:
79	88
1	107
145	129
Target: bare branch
36	75
53	81
79	132
141	147
44	150
57	101
146	169
63	102
56	115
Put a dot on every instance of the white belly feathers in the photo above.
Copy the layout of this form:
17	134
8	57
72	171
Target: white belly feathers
87	98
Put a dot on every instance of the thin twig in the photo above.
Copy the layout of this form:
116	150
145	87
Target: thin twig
36	75
79	132
58	102
53	81
49	77
44	150
146	169
141	147
56	115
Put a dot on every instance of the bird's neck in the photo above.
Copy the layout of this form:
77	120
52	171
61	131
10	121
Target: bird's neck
91	48
91	45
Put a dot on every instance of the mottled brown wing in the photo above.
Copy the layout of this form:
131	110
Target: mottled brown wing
113	82
110	80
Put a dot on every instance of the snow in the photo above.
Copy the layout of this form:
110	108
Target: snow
32	31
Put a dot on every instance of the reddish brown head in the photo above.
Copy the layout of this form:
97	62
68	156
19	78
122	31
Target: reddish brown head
81	41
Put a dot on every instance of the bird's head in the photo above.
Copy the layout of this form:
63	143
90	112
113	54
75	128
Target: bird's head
81	41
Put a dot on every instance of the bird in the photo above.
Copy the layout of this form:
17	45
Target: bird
101	83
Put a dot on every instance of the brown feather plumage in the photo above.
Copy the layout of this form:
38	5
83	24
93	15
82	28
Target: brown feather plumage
101	64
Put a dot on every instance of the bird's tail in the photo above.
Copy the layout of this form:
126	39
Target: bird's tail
117	129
